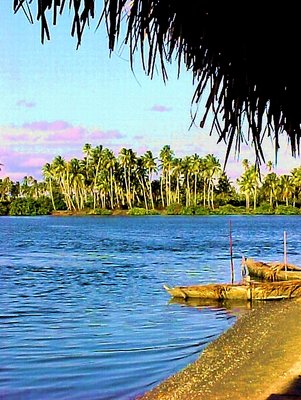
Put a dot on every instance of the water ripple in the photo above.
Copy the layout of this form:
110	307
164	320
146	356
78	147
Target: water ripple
83	313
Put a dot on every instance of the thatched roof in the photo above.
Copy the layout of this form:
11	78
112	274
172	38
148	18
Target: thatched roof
246	53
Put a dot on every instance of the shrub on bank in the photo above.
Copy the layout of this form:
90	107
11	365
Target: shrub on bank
3	208
228	209
287	210
173	209
101	211
187	211
137	211
153	212
201	211
142	211
28	206
265	209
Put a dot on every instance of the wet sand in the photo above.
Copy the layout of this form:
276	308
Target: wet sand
258	358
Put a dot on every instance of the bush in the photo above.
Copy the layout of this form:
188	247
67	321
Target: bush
3	208
187	211
201	211
101	211
264	208
228	209
137	211
287	210
174	209
30	207
44	205
153	212
59	201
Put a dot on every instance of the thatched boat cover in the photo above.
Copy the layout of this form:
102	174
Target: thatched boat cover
246	54
271	271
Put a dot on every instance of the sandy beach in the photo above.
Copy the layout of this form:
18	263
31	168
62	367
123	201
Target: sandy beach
258	358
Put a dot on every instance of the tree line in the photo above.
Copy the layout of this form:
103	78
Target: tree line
101	181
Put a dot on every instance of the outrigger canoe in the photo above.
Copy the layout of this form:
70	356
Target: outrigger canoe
270	271
245	291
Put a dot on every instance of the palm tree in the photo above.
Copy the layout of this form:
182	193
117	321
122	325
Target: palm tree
178	174
127	160
140	173
269	166
246	164
49	178
286	188
61	170
212	170
96	155
109	163
249	183
271	187
196	167
77	178
151	166
166	158
186	170
6	189
245	186
254	180
296	182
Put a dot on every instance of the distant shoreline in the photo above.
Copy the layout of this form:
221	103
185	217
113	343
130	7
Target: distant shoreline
67	213
226	210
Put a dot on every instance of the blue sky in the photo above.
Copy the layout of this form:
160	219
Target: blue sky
54	99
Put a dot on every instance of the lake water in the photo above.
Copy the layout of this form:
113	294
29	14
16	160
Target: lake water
83	314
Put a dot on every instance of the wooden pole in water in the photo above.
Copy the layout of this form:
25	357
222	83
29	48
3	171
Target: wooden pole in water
231	252
285	251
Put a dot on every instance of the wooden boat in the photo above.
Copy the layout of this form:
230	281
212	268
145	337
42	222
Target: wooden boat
245	291
270	271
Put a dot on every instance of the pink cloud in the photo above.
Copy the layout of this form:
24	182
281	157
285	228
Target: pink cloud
17	138
160	108
47	126
4	152
26	104
35	162
17	164
138	137
70	134
106	135
141	149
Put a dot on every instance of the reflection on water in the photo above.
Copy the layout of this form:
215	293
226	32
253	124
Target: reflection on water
228	305
83	312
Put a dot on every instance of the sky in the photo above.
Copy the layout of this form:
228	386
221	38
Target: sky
55	98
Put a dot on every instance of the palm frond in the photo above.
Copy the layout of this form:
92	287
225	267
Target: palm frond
248	59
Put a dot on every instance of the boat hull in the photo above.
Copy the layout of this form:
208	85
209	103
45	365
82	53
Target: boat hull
248	291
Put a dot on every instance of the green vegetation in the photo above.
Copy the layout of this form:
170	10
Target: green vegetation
30	206
103	184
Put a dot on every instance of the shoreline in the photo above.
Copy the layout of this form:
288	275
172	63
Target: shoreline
255	359
126	213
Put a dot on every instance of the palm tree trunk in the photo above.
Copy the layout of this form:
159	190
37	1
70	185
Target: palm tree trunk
161	189
208	193
212	196
51	195
151	189
195	187
112	190
178	190
169	186
247	200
